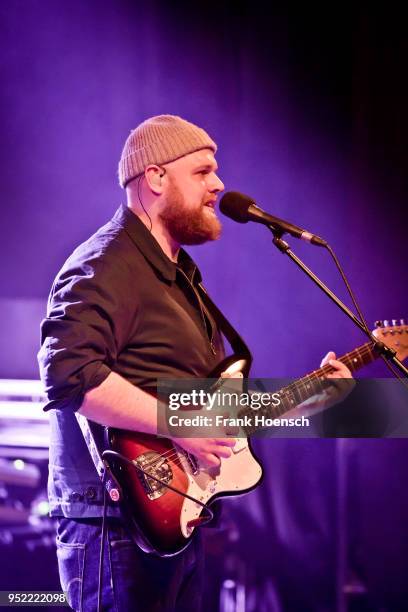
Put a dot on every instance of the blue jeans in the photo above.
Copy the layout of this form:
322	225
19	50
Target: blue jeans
133	581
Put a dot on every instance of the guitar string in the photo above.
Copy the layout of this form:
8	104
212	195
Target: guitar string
362	352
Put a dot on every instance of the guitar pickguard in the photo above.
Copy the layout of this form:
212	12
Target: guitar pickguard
236	475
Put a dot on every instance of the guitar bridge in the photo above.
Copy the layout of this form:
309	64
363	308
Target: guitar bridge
157	466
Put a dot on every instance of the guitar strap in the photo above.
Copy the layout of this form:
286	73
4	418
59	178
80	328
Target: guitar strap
238	345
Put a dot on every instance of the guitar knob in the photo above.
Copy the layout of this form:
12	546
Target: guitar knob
379	324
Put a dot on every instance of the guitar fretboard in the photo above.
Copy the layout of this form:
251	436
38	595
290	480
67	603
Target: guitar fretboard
311	384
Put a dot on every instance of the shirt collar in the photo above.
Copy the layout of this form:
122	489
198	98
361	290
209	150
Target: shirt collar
151	249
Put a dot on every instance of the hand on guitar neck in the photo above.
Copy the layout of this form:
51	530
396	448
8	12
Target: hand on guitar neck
342	385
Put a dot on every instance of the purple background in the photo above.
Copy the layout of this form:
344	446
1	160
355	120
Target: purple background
310	117
308	107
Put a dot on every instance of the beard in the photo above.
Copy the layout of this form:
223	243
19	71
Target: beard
188	225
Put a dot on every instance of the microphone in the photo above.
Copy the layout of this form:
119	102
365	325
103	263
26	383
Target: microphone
241	208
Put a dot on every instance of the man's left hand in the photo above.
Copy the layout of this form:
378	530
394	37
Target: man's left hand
342	384
341	370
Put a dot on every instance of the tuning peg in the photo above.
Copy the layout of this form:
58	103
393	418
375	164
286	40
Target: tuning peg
394	322
379	324
386	323
402	321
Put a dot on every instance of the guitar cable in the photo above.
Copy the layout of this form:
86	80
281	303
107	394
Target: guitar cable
104	533
103	538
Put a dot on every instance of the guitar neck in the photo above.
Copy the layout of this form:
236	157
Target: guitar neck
311	384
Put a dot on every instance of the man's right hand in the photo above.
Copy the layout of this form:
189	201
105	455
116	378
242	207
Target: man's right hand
208	451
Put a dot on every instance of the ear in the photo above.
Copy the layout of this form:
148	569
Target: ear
153	176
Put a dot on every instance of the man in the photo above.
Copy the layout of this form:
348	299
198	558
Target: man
124	311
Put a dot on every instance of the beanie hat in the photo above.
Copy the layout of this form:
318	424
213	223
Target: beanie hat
160	140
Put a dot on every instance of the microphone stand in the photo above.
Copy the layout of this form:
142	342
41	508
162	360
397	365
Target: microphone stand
346	586
380	347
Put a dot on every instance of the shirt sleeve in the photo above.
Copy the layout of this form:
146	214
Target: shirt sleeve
87	319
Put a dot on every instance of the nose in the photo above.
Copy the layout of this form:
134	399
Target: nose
217	185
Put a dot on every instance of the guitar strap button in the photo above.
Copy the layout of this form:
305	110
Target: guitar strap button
114	495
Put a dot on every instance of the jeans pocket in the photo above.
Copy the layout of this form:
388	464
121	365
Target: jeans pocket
71	560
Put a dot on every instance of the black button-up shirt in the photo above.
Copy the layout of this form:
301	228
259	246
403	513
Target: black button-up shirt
118	304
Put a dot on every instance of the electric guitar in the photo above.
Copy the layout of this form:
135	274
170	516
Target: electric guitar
166	497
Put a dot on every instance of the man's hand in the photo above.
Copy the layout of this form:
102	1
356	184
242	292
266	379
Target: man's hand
342	384
341	371
208	451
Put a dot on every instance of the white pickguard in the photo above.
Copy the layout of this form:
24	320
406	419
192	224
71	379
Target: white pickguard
237	473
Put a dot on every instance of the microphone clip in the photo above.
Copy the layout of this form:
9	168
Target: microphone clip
281	244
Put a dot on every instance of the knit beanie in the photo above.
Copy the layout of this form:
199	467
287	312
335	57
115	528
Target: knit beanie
160	140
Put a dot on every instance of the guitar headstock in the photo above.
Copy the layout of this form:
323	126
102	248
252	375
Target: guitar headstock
394	334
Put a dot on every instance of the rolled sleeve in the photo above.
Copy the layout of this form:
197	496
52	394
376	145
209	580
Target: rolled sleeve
82	331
